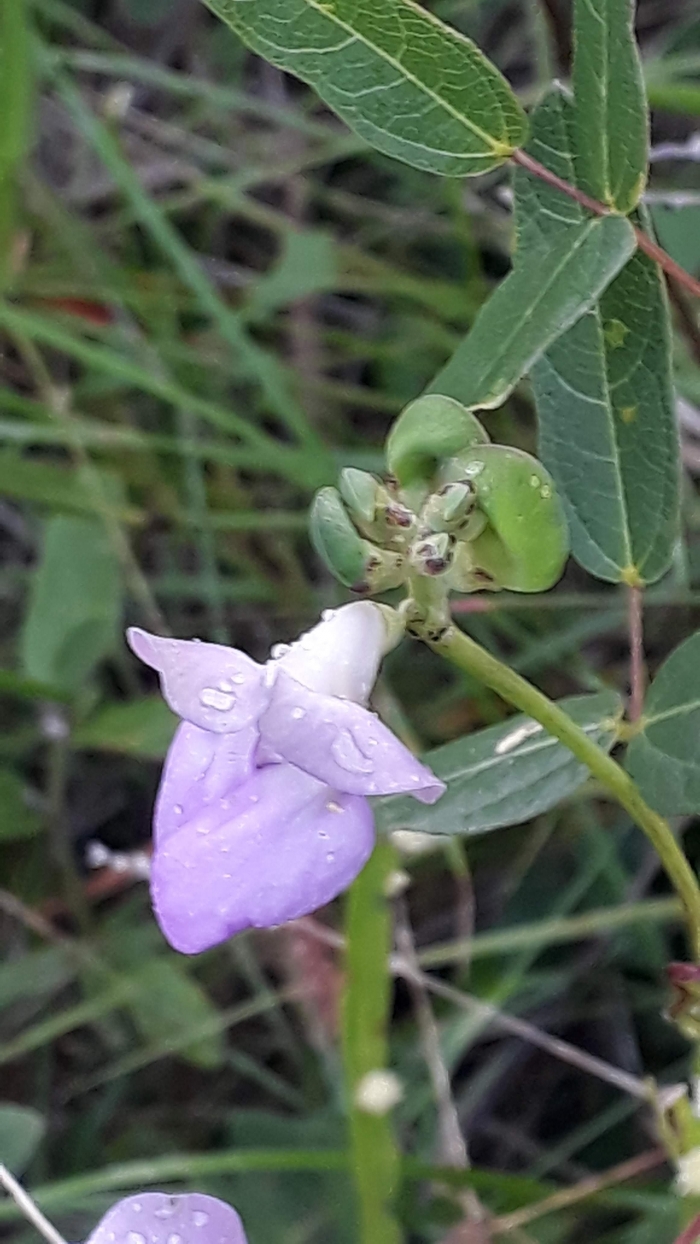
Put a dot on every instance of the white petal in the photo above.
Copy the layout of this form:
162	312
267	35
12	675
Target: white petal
341	655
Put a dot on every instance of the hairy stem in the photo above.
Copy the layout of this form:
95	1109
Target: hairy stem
375	1158
644	242
468	655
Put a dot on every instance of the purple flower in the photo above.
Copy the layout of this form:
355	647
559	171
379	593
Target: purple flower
157	1218
262	813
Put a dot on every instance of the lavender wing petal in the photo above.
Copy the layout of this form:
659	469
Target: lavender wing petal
157	1218
200	768
214	687
281	845
342	744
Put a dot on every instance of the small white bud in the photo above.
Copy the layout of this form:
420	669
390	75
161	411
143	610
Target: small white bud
117	101
396	883
412	843
378	1092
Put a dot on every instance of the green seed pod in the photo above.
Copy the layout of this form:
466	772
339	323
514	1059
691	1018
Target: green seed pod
525	543
428	431
356	562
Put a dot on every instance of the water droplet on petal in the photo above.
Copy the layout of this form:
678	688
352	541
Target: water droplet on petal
322	833
177	809
332	806
211	697
203	829
174	1239
298	713
238	679
136	1206
327	614
345	751
166	1211
279	650
330	858
199	1218
135	1237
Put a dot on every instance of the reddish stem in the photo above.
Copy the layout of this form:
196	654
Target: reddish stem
691	1233
644	242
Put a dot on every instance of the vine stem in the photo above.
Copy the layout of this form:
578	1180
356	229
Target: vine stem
644	242
367	1000
475	660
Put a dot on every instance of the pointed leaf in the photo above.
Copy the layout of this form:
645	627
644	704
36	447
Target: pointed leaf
21	1130
664	759
603	390
143	727
506	774
170	1005
548	291
414	88
611	117
19	818
75	604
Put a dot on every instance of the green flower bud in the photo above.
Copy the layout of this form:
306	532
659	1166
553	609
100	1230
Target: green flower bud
361	493
449	509
525	543
428	431
432	554
353	560
373	509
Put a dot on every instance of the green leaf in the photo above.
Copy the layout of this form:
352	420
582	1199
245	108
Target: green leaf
143	727
611	117
21	1130
664	759
75	604
603	390
170	1003
308	265
414	88
505	774
548	291
19	819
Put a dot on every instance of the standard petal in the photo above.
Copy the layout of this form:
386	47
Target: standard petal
280	846
200	768
342	744
341	655
158	1218
214	687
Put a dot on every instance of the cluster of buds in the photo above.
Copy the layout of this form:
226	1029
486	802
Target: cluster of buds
453	508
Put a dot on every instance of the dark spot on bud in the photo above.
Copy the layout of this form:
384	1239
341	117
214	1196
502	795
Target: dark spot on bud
482	578
398	515
436	565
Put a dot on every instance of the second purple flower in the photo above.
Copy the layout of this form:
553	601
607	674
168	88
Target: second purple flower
262	814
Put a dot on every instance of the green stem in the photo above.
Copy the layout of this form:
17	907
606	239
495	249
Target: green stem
468	655
366	1015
